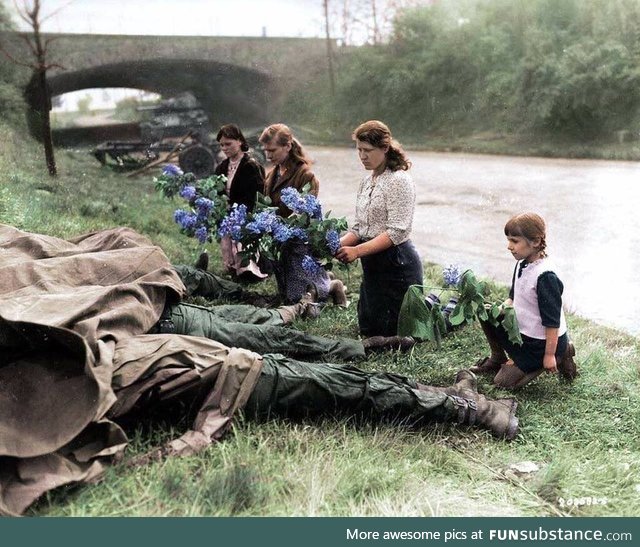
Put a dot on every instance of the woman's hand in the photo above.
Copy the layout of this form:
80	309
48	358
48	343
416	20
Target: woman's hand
347	254
549	363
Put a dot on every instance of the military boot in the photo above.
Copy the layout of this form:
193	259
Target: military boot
338	293
497	416
203	261
474	409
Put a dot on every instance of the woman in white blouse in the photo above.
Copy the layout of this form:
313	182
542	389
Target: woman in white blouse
380	235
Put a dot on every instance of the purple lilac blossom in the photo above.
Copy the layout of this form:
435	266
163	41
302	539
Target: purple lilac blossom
312	206
311	266
300	233
185	219
202	234
301	203
204	206
451	275
188	192
333	241
292	199
281	233
262	223
172	170
233	223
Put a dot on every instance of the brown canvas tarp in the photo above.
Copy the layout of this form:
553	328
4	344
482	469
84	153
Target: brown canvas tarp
74	356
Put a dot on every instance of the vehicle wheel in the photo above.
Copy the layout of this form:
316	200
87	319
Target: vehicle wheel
197	159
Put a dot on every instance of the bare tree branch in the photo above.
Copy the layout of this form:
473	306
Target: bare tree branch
26	39
30	13
54	12
22	12
13	59
48	41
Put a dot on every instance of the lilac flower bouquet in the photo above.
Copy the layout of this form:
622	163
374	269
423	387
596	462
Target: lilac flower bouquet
261	231
206	199
264	232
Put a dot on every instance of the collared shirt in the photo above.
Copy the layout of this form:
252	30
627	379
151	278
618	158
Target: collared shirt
385	203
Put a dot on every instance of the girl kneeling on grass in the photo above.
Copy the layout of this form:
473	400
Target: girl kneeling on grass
536	295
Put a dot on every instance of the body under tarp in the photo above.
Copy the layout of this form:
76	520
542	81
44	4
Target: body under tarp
74	356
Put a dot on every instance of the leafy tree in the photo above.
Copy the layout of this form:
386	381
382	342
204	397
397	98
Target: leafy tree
553	67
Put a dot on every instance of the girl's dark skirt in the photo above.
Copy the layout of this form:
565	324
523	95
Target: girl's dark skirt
529	356
386	277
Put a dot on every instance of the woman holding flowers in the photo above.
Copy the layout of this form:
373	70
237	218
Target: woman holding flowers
291	166
245	178
379	237
296	270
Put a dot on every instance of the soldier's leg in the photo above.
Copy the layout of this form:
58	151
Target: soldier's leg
292	388
265	338
203	283
246	313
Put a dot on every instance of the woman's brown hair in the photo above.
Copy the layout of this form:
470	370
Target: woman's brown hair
232	131
530	226
282	135
377	134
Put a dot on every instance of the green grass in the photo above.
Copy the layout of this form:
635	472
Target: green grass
584	437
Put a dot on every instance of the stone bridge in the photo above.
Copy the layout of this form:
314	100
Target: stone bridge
236	79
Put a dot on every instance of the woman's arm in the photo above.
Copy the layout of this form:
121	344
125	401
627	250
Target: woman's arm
349	239
246	184
378	244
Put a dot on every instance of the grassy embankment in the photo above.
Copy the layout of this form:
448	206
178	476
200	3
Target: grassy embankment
585	437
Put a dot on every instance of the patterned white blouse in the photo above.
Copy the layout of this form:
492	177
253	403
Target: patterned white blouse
385	203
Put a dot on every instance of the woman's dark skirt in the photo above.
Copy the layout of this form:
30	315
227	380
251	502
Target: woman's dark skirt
387	276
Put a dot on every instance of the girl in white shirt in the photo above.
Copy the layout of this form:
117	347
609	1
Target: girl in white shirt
536	296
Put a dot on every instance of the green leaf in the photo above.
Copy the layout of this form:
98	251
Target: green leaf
510	324
415	318
438	322
457	316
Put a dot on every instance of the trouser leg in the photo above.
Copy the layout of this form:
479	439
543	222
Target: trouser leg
246	313
202	283
265	338
292	388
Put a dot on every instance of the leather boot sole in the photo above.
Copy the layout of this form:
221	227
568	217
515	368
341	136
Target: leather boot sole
485	366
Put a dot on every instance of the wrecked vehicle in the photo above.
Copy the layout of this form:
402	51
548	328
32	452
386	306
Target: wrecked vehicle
178	125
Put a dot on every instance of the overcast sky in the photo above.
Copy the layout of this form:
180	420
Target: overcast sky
185	17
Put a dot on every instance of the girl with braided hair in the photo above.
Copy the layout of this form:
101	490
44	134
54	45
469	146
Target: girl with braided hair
536	296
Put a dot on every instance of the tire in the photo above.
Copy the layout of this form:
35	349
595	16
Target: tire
197	159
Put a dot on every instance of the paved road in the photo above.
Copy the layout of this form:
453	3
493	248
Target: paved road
591	208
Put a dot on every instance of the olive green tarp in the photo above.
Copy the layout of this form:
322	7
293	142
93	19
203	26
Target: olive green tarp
73	356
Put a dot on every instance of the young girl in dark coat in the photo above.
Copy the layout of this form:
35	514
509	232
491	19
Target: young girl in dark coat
245	178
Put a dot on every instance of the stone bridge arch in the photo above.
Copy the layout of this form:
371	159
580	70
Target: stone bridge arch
227	92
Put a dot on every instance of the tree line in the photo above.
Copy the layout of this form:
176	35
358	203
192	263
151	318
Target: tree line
565	68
